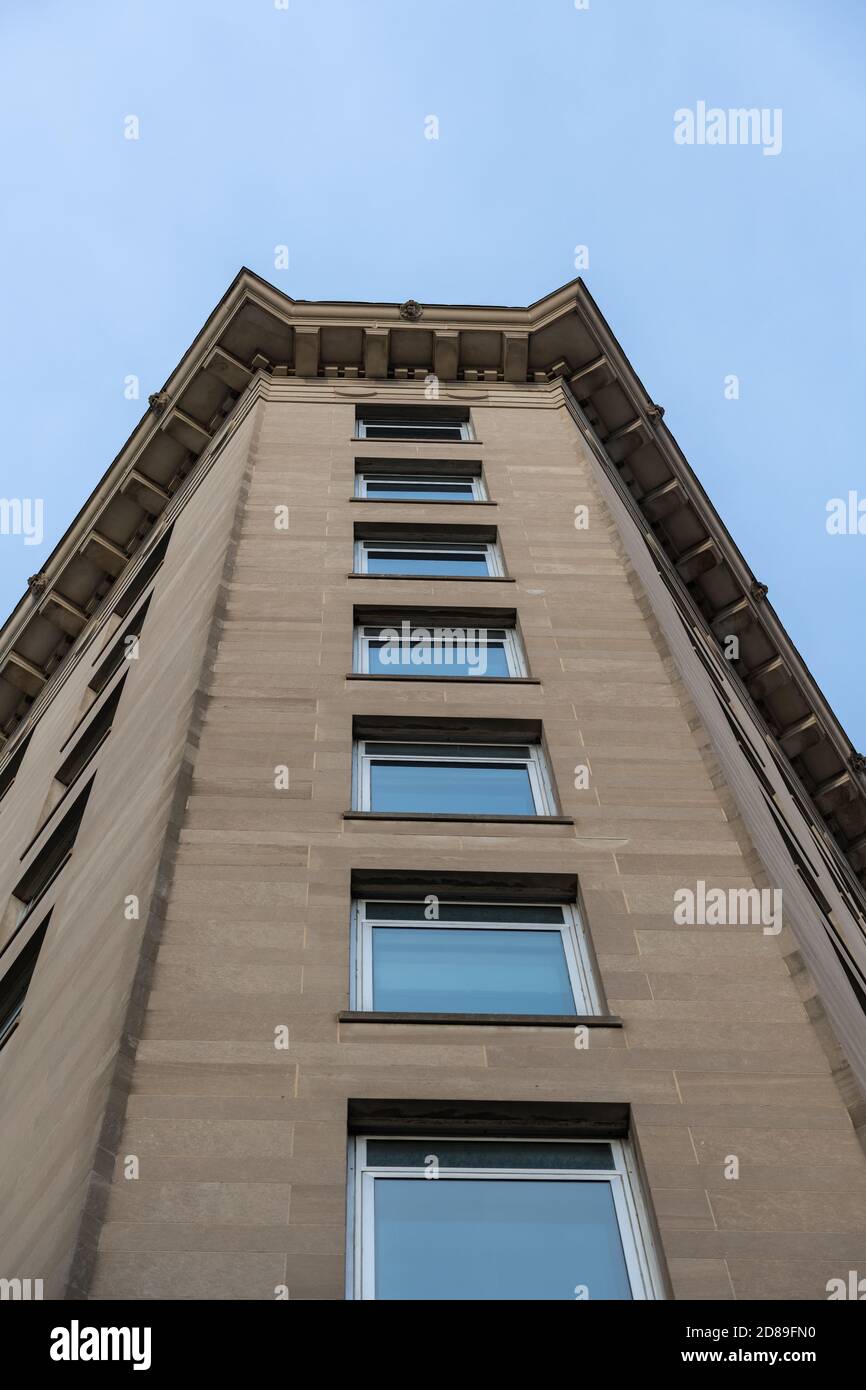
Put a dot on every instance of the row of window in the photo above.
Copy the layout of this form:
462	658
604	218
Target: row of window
24	923
455	1218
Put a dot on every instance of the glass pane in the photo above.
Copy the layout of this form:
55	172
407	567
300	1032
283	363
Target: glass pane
418	492
488	1153
469	659
437	788
519	751
403	429
463	912
463	1238
426	562
434	970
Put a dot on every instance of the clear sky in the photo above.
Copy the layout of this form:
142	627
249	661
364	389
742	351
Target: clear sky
304	124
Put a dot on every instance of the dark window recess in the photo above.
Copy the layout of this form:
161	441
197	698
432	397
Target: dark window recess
412	429
52	857
10	771
127	600
418	422
117	651
93	736
16	982
748	752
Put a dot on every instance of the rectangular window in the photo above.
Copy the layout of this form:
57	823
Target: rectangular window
472	958
418	650
407	427
497	779
52	858
499	1220
442	559
10	771
420	487
15	983
123	648
91	740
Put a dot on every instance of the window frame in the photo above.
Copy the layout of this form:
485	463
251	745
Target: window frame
29	906
393	426
639	1253
490	549
32	946
370	475
585	992
12	766
67	823
540	781
367	632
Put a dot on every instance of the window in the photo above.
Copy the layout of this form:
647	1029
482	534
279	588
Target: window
91	740
417	650
419	487
473	958
51	859
440	428
442	559
10	771
482	779
123	648
500	1220
16	982
136	588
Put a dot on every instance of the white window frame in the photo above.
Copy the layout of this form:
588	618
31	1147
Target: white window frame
641	1260
479	493
587	1000
367	632
393	427
488	549
365	754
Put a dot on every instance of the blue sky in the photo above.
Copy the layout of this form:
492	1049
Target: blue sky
305	126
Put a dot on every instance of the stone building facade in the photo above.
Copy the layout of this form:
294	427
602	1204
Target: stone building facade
290	919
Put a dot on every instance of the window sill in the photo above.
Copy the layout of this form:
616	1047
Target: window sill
462	680
407	439
424	502
487	1020
452	578
429	816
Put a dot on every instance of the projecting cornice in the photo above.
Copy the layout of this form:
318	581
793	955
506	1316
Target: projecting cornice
257	329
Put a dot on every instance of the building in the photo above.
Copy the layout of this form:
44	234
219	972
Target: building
401	770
